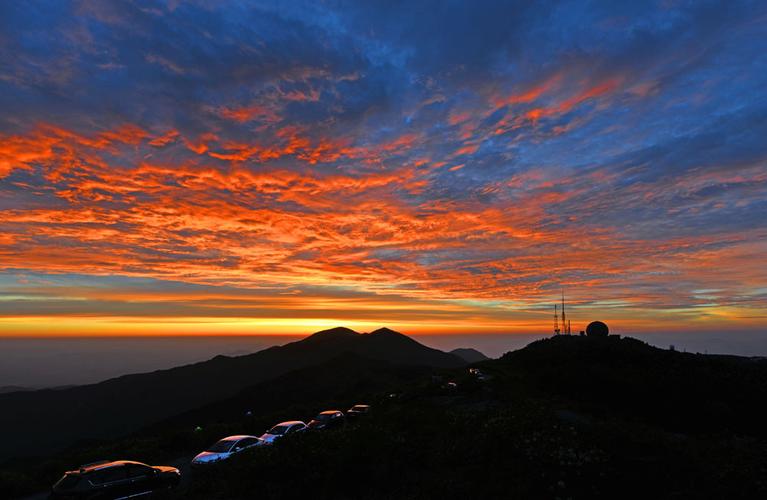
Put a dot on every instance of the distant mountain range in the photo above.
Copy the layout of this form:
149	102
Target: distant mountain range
43	421
4	389
469	355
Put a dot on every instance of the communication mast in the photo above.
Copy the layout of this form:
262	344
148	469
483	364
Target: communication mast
564	318
563	328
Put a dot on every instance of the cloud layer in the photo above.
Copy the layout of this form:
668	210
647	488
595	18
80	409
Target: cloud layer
436	165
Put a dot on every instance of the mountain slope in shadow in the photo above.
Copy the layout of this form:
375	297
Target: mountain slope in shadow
343	379
469	355
682	392
565	417
40	422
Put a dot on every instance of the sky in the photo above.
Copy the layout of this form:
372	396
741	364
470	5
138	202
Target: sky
207	167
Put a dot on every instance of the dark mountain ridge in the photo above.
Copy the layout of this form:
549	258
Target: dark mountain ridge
569	416
44	421
5	389
682	392
469	355
565	417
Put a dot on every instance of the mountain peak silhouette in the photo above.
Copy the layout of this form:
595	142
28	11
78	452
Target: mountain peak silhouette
386	331
333	333
469	354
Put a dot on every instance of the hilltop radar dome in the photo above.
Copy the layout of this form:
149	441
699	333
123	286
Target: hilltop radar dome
597	329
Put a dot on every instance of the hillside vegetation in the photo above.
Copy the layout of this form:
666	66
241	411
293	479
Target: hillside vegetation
566	417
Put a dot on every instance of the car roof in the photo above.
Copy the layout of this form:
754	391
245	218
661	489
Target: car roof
291	422
105	464
330	412
361	406
237	437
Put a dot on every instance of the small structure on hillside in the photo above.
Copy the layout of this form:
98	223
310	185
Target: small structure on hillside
597	329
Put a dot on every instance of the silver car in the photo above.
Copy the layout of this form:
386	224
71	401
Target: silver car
224	449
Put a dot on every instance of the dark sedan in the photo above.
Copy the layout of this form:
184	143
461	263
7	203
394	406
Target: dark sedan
111	480
327	419
358	411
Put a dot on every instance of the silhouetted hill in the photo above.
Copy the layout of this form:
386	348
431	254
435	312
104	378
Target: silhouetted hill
566	417
339	332
43	421
469	355
680	391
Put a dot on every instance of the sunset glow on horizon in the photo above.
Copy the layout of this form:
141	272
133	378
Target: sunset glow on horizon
189	169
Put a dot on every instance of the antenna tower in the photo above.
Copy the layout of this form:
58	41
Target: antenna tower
556	320
564	318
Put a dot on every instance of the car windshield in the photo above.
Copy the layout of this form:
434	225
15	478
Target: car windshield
360	408
222	446
277	430
69	481
323	417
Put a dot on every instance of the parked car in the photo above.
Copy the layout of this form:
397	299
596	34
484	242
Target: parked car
224	449
478	373
282	429
358	411
108	480
327	419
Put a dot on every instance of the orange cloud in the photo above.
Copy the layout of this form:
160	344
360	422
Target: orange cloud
248	113
17	152
571	102
312	95
273	225
598	90
202	144
467	149
530	94
48	142
164	139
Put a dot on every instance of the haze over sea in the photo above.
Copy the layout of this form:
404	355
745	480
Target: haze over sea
53	362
